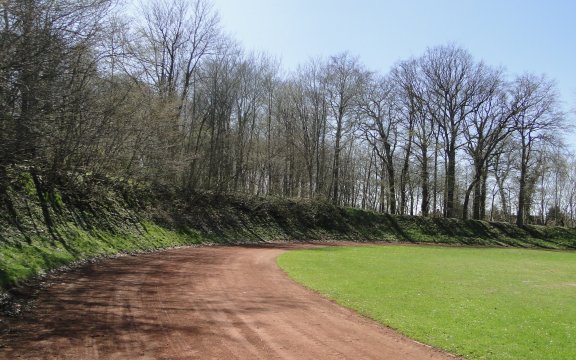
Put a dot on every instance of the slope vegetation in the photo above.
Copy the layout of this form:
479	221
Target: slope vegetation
85	217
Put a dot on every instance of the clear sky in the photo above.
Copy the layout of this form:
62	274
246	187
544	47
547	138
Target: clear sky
535	36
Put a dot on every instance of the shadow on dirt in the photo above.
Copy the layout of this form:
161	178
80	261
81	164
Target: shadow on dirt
134	304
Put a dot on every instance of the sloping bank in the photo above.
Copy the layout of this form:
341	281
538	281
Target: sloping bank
86	217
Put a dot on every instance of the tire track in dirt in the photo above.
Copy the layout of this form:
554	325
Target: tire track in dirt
196	303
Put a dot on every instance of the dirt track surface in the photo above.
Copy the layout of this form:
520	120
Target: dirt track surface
196	303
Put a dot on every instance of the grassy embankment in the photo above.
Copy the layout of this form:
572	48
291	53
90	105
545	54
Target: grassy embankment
42	230
479	303
91	216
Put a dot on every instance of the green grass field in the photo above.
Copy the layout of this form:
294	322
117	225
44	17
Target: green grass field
478	303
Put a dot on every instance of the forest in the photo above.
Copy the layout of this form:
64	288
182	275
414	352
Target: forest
160	94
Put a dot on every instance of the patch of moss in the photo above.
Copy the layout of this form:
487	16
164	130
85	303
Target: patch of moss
19	263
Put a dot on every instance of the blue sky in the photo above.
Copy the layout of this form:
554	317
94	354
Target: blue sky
521	36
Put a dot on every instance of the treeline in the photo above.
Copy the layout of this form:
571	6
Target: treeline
160	94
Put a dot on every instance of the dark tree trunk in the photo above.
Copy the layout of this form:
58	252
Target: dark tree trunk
522	196
449	211
336	169
425	205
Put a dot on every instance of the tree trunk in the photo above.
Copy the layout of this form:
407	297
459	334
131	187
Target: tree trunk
383	202
435	177
449	211
425	206
521	216
391	188
483	195
336	169
467	200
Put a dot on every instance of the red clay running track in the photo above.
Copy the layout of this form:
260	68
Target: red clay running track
196	303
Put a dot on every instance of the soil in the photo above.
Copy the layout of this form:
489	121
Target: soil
195	303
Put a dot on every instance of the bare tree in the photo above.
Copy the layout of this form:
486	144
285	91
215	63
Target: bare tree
485	131
418	126
172	39
409	85
343	80
537	118
46	62
312	80
378	107
454	91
